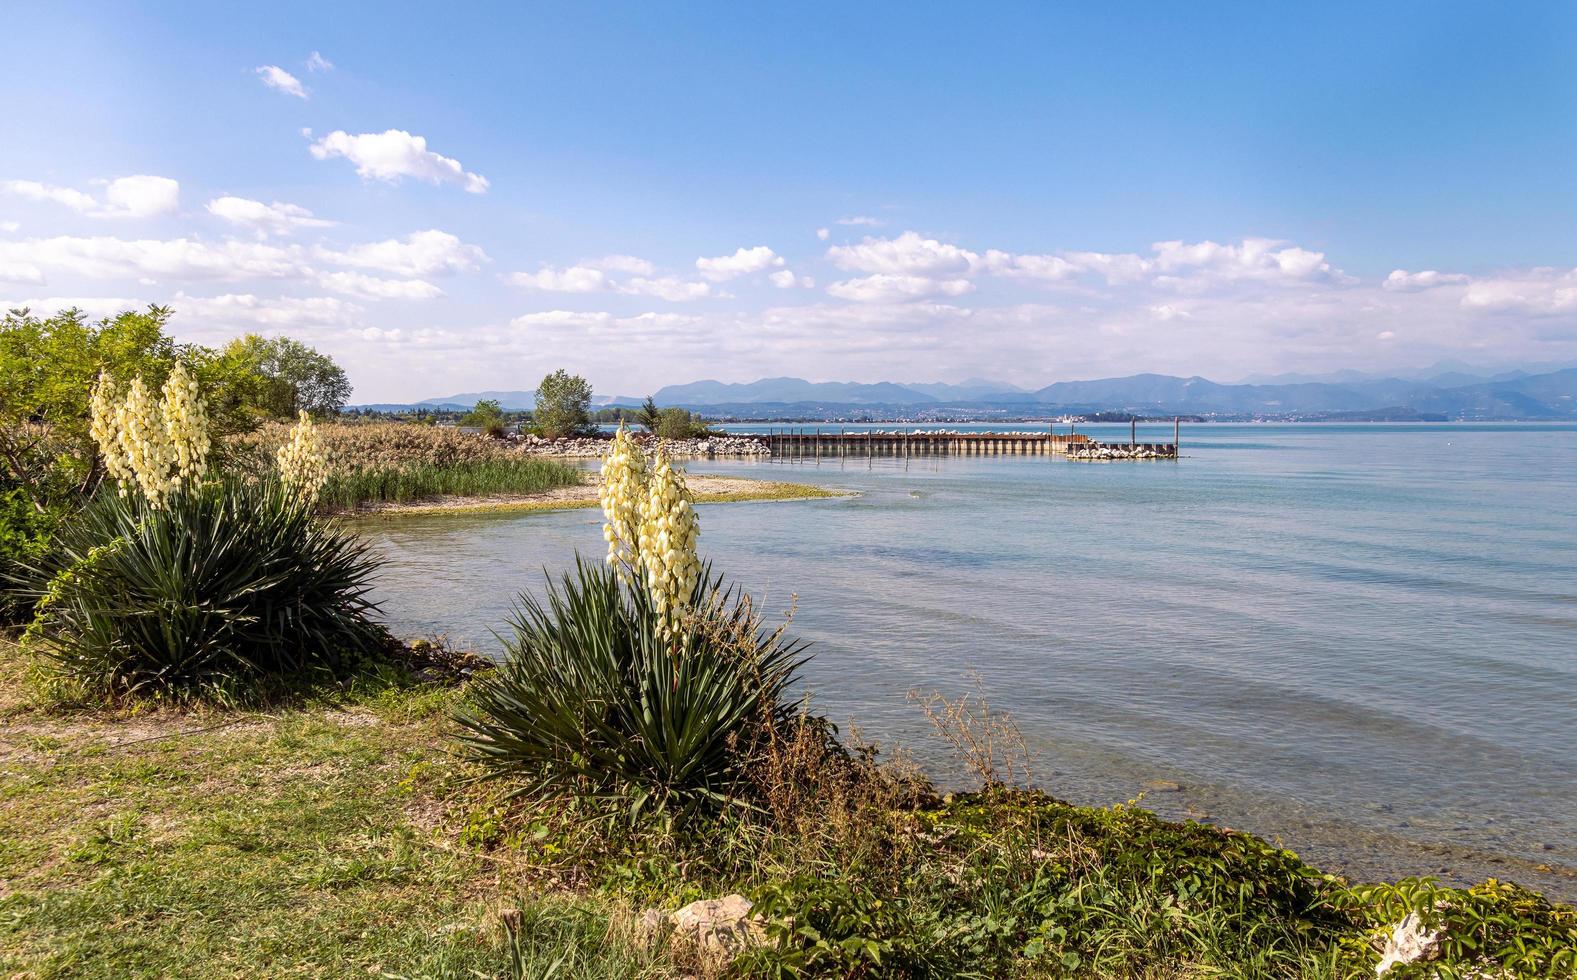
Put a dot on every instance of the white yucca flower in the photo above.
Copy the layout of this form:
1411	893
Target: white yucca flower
150	447
105	428
303	462
186	424
621	491
668	535
651	526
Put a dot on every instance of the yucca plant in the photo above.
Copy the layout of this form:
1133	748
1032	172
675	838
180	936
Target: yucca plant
596	700
222	588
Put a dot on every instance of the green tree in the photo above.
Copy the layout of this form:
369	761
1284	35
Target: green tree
287	376
563	404
677	423
487	415
651	415
49	367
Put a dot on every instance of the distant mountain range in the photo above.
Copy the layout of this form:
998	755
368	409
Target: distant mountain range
1449	394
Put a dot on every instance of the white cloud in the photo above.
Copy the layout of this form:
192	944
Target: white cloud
393	154
1404	281
371	287
265	219
861	219
141	196
666	287
823	233
1115	268
10	227
887	288
561	318
908	254
316	62
575	279
218	314
281	80
180	258
1385	335
743	262
786	279
422	253
1050	268
93	306
35	191
1254	258
136	196
623	263
570	324
1537	292
592	277
1166	311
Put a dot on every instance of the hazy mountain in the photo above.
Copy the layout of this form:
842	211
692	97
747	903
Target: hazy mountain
513	401
970	390
1511	394
786	390
1538	396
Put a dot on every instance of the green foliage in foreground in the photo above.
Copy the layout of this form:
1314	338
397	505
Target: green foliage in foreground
331	839
226	588
423	481
593	699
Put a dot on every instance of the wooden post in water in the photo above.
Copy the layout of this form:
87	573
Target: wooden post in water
1177	436
1133	431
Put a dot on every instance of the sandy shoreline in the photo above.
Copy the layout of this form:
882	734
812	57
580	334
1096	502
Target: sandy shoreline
707	490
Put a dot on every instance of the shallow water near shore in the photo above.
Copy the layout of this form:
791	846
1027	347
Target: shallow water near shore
1358	639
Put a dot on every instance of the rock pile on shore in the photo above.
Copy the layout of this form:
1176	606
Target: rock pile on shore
590	447
1102	451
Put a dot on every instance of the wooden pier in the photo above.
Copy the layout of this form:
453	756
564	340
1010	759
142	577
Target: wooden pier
823	443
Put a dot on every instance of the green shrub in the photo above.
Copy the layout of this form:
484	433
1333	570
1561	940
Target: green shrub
25	533
594	701
1492	929
225	588
677	423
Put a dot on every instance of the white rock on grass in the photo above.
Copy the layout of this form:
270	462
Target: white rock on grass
718	927
1410	942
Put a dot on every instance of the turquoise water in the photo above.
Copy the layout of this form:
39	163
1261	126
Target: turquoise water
1361	639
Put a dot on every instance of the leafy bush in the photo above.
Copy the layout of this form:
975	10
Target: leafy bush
1008	882
594	701
226	587
678	423
25	533
1492	929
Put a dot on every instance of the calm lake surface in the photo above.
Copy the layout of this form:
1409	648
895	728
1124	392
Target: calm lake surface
1359	639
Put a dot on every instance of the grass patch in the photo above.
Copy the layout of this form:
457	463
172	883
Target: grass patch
342	837
512	476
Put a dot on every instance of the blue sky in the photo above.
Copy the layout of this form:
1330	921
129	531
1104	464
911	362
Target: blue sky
465	197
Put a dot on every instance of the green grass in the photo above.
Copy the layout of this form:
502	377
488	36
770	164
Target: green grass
342	837
316	841
426	481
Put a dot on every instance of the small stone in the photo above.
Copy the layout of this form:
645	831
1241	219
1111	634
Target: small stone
1409	942
720	927
1163	786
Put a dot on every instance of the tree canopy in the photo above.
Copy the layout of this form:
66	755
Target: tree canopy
487	415
290	376
563	404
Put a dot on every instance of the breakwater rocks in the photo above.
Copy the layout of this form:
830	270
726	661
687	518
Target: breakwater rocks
592	447
1092	451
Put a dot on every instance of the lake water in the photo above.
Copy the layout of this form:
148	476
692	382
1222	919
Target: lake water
1361	639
